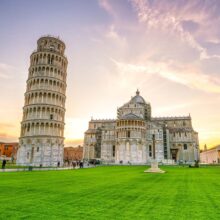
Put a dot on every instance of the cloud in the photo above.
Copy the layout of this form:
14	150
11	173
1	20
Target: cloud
213	41
112	34
6	125
5	137
128	75
209	137
105	4
5	71
171	108
168	21
177	73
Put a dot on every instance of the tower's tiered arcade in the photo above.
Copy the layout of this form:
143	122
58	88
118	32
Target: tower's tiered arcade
42	127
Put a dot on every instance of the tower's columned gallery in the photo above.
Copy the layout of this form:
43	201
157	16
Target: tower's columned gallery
136	137
41	139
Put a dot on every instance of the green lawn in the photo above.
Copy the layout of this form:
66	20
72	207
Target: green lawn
122	192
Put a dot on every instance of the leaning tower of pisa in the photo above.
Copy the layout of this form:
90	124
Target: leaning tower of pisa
42	128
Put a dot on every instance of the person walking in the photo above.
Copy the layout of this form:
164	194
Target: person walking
74	164
4	163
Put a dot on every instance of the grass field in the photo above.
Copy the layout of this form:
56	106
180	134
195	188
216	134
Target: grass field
122	192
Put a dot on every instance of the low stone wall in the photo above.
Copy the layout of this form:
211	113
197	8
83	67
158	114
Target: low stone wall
42	168
36	169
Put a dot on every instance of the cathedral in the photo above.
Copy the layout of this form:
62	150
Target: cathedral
136	137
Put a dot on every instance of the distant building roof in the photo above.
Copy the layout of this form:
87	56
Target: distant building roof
170	118
212	148
103	120
12	143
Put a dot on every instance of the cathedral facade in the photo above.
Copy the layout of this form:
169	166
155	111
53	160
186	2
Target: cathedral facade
136	137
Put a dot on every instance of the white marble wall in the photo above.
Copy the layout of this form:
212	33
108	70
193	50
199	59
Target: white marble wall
130	151
46	156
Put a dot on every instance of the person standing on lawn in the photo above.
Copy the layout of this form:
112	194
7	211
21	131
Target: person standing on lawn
4	164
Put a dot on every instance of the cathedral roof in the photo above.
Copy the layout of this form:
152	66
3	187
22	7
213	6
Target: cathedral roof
138	99
131	116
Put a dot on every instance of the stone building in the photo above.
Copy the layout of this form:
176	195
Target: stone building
9	150
135	137
42	127
210	156
73	154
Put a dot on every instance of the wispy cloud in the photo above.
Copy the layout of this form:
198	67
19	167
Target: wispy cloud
6	137
168	21
114	35
6	125
5	71
105	4
171	108
9	131
129	75
183	75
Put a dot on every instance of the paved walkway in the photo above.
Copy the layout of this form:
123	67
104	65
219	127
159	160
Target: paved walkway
41	169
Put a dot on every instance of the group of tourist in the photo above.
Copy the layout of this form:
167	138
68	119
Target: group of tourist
77	164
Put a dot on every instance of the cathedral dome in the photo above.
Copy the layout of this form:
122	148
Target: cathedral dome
138	99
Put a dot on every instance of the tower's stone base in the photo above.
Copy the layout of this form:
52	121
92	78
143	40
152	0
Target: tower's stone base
40	152
154	168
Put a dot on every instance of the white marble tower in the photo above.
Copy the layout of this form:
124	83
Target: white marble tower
42	128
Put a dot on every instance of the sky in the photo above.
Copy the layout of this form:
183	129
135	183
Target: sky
169	50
